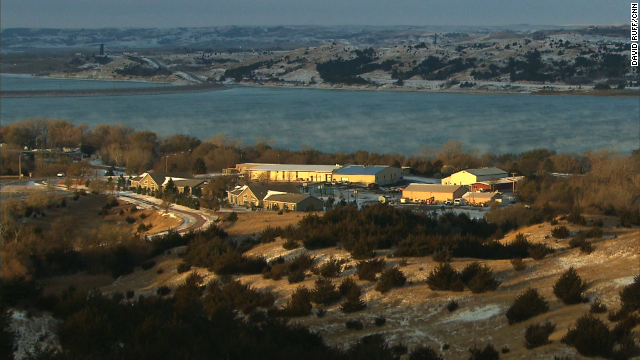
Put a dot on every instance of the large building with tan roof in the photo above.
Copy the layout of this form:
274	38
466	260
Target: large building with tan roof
287	172
471	176
435	192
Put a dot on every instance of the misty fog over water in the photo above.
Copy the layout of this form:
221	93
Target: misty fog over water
332	120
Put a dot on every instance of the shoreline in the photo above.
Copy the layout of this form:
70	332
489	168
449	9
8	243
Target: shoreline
490	89
112	92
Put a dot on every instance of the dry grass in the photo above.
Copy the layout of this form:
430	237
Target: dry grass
415	314
254	222
85	213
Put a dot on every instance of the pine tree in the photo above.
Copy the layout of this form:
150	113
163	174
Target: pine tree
325	292
353	302
569	287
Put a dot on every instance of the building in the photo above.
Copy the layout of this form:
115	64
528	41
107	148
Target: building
155	181
365	174
247	195
435	192
504	184
287	172
472	176
292	202
482	198
188	183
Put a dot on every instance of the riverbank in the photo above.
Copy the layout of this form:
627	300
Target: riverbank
112	92
517	89
382	85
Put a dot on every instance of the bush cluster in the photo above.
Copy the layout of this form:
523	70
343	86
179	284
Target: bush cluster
539	251
560	232
479	278
389	279
237	296
537	335
148	264
163	290
518	264
590	336
299	304
569	287
630	295
325	292
367	270
331	268
445	277
353	302
527	305
354	324
143	227
424	352
597	307
488	353
452	306
294	270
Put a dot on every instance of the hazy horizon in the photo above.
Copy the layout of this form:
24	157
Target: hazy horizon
76	14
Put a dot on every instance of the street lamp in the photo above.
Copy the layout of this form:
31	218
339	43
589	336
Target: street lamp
20	166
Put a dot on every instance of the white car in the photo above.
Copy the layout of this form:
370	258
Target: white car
60	174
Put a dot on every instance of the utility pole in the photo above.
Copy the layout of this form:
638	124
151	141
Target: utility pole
513	181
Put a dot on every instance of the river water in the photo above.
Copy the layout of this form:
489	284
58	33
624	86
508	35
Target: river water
336	120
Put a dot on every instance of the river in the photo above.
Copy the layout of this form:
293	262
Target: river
338	120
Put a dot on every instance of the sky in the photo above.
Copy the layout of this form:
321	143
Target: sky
198	13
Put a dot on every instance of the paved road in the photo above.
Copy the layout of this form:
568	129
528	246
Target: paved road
193	219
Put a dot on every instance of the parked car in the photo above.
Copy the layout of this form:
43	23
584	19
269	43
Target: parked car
60	174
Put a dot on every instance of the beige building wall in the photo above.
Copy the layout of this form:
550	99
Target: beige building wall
460	178
304	205
466	178
387	176
288	176
246	197
437	196
147	182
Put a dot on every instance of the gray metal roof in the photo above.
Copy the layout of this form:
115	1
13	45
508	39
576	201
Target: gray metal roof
190	183
486	171
288	198
360	170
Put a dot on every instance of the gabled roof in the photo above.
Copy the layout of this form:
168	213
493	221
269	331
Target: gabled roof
258	190
188	182
434	188
360	170
288	197
137	178
485	171
160	178
238	190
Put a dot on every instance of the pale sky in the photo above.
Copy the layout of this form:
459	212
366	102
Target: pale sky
197	13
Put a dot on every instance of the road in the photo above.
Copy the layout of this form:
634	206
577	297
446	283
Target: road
192	219
187	76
